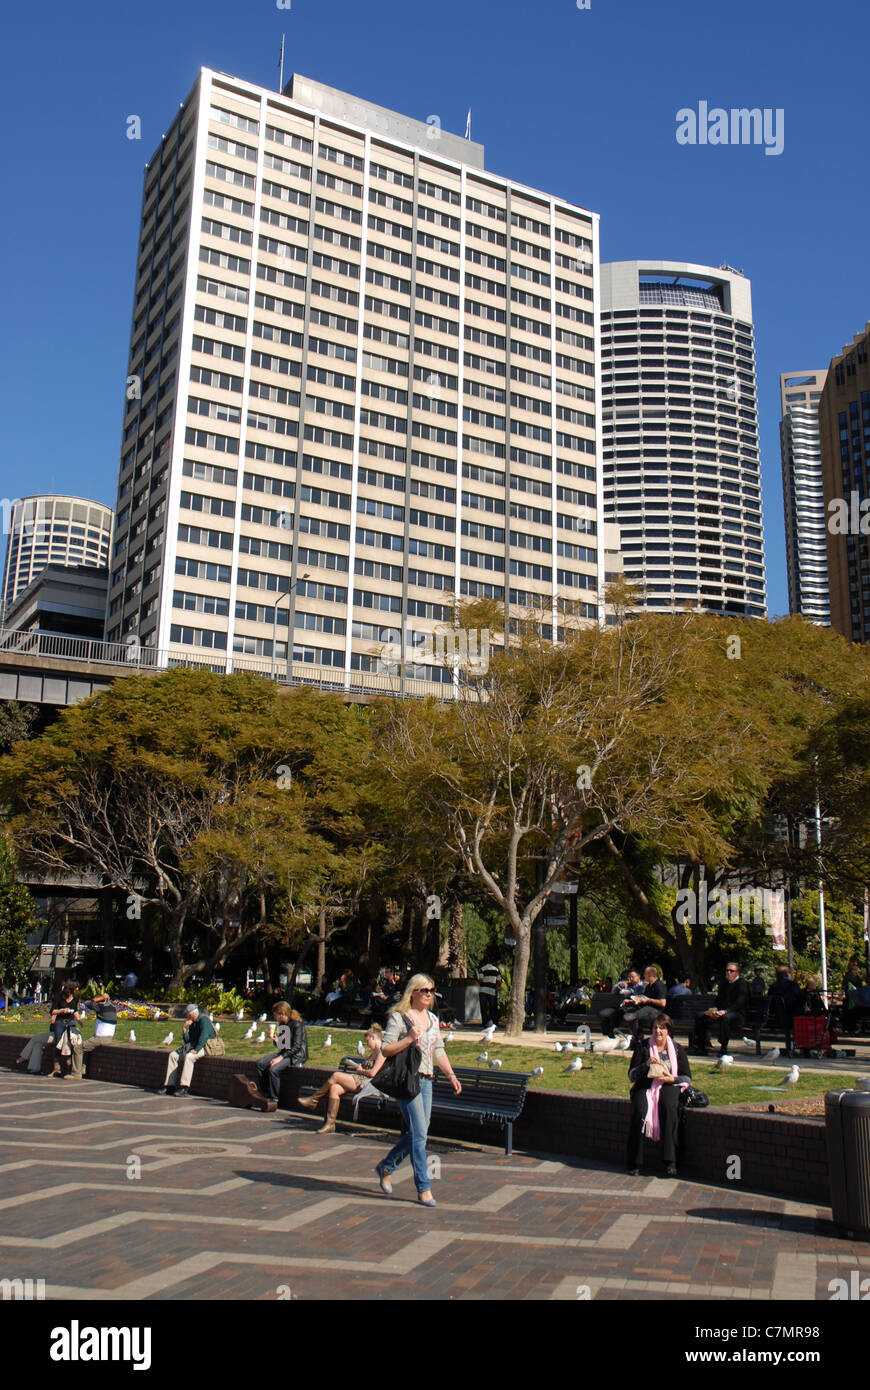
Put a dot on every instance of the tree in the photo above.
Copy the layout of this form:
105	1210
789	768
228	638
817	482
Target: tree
218	800
557	749
16	723
18	919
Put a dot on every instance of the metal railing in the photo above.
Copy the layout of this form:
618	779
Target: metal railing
133	657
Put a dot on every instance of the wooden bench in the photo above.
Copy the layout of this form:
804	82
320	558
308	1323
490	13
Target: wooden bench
490	1097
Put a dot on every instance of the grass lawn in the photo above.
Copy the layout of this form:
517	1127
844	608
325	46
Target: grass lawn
600	1075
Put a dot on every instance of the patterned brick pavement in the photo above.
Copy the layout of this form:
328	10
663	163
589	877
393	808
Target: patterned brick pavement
236	1205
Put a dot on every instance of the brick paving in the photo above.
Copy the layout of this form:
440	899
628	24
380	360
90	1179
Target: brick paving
233	1204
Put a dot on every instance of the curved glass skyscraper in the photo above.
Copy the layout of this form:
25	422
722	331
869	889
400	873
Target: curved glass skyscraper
680	434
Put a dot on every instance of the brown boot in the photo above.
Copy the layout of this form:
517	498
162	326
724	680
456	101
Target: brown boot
312	1102
331	1113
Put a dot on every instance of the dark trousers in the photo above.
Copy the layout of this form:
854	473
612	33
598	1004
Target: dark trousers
729	1025
641	1020
609	1018
669	1119
268	1076
488	1008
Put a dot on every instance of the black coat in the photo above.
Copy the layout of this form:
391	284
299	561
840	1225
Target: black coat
638	1068
297	1051
734	997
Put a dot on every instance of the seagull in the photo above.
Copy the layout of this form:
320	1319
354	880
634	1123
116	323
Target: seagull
327	1041
217	1027
558	1047
168	1039
448	1038
539	1071
488	1031
576	1065
772	1055
567	1047
262	1018
724	1061
132	1035
495	1064
211	1018
484	1057
624	1043
240	1015
250	1033
360	1049
261	1038
748	1042
791	1078
606	1045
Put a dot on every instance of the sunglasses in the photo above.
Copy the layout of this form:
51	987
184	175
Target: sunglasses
424	991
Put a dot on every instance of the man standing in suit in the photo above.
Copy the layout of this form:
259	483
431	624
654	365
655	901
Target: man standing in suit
729	1016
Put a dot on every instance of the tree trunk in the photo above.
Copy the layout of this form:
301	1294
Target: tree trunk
516	1013
321	946
457	957
542	968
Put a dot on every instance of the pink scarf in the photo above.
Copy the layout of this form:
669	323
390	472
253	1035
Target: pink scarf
651	1128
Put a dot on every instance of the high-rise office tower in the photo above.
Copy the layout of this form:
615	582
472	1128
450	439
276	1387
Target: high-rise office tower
680	434
844	428
803	498
53	530
366	378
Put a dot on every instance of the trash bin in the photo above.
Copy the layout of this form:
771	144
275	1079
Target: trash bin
847	1130
465	999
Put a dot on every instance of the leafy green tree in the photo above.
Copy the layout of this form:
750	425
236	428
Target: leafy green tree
222	801
16	722
18	920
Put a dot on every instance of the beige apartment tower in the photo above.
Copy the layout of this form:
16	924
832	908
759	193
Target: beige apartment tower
362	388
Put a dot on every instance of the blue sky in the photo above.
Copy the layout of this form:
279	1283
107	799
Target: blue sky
581	103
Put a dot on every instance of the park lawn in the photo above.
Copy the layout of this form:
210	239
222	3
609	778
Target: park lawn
606	1075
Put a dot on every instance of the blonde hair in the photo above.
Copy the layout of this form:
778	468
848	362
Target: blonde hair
375	1028
285	1011
416	982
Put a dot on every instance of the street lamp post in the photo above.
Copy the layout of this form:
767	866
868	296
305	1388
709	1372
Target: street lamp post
280	598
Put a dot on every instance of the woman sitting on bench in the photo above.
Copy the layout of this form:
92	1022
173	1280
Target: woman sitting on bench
343	1083
659	1072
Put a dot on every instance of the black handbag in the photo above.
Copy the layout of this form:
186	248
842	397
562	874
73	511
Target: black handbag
399	1077
696	1100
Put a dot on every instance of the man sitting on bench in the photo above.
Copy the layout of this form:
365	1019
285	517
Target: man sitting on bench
729	1016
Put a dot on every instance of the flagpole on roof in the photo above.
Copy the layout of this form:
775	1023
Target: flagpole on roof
468	125
281	67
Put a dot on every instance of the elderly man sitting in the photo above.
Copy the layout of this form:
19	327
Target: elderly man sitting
184	1059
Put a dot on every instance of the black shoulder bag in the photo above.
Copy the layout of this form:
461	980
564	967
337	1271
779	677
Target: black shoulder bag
399	1077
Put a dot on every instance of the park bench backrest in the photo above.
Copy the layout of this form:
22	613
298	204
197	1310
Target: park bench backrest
502	1092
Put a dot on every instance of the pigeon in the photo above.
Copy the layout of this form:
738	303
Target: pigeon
539	1071
772	1055
576	1065
132	1035
262	1018
724	1061
495	1064
261	1038
484	1057
488	1031
168	1039
360	1049
327	1041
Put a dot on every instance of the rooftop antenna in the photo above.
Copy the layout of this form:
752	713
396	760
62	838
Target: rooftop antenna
281	67
468	125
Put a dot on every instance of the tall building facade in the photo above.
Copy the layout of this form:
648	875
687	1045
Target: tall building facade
844	427
54	530
364	387
803	495
682	470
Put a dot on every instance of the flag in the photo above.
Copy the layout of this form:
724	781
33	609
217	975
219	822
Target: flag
468	125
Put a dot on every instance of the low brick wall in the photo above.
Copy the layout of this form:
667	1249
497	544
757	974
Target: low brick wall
780	1154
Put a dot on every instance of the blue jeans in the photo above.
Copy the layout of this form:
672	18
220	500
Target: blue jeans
416	1114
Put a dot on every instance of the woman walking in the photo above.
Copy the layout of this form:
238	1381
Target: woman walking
410	1024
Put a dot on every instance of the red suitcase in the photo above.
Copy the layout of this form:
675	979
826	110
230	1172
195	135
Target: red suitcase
814	1033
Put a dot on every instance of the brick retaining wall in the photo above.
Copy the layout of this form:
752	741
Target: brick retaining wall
781	1154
